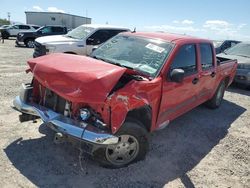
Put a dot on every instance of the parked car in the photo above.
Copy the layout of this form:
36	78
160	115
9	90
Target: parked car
4	26
133	84
13	30
28	37
220	46
79	41
241	52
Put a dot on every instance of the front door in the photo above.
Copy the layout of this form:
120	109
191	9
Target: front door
177	98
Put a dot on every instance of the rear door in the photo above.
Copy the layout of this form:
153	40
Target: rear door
207	70
57	30
177	98
23	28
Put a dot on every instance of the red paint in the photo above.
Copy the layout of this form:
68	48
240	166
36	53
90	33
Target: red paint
87	81
76	78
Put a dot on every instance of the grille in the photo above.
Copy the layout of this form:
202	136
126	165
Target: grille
53	101
39	49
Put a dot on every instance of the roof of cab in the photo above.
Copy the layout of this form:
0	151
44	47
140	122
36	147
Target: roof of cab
170	37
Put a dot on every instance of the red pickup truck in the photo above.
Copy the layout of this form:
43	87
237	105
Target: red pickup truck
133	84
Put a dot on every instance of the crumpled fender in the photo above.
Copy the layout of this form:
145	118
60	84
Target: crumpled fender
134	95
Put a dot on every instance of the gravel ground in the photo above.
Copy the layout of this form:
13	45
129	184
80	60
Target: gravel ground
203	148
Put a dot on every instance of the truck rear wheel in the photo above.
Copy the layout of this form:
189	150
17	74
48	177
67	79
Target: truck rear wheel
216	100
132	146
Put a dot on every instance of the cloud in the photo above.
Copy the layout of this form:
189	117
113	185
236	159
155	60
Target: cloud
225	29
170	28
213	29
37	8
187	22
184	22
54	9
216	24
240	26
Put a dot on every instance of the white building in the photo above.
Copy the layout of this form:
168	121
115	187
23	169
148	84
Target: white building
55	18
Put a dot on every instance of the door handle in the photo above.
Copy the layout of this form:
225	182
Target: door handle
213	74
195	80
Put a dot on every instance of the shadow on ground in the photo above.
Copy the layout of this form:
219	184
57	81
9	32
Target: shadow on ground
174	151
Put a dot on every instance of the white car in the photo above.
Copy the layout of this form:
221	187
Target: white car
13	30
80	40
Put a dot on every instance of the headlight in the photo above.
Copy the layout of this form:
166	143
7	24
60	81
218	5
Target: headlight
50	49
84	114
21	34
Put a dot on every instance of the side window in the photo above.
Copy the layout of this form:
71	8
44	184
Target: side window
57	29
233	44
226	45
99	37
24	27
186	59
16	27
206	56
46	30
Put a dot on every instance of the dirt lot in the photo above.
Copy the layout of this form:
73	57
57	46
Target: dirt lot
204	148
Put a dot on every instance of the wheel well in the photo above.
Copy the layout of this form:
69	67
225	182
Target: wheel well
227	79
28	39
142	114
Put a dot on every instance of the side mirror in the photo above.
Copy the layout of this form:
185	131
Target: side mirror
177	75
94	48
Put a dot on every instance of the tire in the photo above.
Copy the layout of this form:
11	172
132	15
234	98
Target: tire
132	147
216	100
5	34
29	43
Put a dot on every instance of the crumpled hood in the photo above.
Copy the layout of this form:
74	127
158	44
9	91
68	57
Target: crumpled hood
55	39
76	78
240	59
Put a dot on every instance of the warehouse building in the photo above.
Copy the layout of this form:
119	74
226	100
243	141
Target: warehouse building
56	18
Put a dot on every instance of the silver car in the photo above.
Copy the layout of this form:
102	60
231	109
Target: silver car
241	52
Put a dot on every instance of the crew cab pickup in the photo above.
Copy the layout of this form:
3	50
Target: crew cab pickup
133	84
28	37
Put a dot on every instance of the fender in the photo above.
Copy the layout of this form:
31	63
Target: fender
133	96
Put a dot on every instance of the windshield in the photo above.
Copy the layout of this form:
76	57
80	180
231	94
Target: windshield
141	54
80	32
241	49
217	43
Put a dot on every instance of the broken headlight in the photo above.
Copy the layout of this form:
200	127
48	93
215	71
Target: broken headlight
84	114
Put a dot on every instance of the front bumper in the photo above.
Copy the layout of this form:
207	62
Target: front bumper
242	77
65	125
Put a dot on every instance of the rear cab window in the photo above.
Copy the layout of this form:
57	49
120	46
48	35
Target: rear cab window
186	59
206	52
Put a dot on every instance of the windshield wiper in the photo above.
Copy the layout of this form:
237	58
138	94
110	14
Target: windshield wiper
70	36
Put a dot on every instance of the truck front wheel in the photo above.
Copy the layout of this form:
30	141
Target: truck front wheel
29	43
132	146
216	100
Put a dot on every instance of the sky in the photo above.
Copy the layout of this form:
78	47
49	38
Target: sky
212	19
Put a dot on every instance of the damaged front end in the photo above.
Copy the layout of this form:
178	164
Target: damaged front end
60	122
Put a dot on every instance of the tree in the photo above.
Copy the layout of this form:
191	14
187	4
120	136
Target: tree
4	22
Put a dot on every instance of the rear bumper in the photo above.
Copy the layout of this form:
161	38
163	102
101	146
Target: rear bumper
65	125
